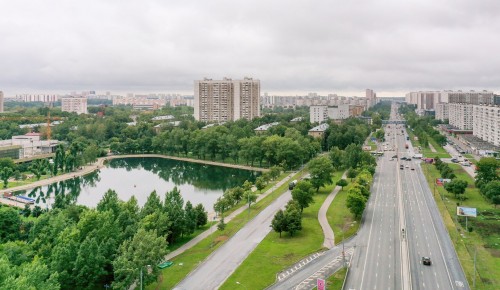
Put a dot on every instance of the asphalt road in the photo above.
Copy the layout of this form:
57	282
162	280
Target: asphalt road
212	272
377	264
378	260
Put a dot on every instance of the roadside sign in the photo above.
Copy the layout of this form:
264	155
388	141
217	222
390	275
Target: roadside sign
466	211
321	284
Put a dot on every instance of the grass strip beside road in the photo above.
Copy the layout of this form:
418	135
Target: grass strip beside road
426	151
465	242
189	260
340	217
275	254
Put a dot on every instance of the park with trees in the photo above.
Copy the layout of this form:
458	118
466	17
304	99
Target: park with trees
72	246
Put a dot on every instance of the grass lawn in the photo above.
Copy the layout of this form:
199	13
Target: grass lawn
275	254
372	144
26	181
340	218
187	261
336	281
487	245
427	152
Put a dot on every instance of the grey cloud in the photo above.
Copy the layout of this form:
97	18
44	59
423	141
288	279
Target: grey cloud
291	46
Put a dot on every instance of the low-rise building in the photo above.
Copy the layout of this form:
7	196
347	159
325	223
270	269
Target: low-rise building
319	131
265	127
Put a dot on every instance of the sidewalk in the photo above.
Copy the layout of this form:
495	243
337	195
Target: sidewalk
329	241
227	219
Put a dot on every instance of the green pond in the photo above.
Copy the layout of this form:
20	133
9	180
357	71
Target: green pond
138	177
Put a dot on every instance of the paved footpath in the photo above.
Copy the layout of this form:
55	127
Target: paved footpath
228	218
329	241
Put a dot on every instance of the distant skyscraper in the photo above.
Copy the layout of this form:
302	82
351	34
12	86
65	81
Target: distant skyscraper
74	104
226	100
1	102
371	97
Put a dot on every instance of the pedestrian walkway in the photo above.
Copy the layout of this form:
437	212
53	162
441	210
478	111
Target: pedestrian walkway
329	241
227	219
433	150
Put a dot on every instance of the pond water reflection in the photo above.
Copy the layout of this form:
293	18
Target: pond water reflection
198	183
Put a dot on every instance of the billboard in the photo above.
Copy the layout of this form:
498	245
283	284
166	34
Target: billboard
466	211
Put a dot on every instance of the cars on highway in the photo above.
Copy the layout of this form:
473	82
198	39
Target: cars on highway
407	166
412	168
426	261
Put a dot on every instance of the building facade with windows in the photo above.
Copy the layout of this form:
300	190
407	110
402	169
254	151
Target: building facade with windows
226	100
442	112
74	104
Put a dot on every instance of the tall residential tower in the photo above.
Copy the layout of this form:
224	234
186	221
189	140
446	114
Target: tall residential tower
226	100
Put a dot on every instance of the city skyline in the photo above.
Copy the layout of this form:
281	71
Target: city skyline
293	47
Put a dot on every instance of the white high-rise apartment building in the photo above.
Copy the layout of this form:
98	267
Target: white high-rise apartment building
318	114
487	123
226	100
442	112
460	115
1	102
74	104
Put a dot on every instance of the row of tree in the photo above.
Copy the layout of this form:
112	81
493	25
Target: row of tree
422	127
361	167
81	248
233	196
487	179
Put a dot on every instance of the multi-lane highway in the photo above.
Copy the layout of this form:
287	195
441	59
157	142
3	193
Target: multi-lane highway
402	224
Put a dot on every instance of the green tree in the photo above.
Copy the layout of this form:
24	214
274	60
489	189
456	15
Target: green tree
249	197
356	202
293	220
457	187
279	222
153	204
321	170
260	183
351	173
486	171
337	158
201	215
33	276
342	182
303	193
190	216
89	265
491	190
5	174
10	224
145	248
174	207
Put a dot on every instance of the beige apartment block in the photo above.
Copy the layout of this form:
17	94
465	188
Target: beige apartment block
226	100
74	104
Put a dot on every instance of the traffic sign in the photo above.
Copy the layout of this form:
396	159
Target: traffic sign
321	284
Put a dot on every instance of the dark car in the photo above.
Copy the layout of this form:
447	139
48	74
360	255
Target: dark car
395	156
426	261
412	168
403	158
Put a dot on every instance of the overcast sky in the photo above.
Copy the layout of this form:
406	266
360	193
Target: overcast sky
292	46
